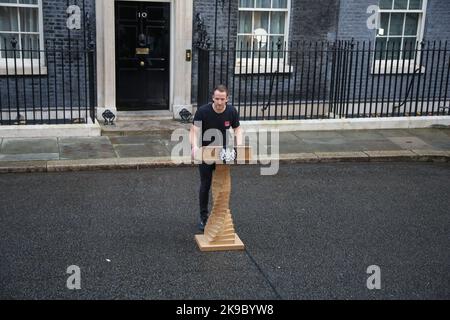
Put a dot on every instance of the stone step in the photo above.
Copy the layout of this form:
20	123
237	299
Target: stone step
142	127
144	115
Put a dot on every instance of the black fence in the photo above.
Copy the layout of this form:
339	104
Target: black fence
53	84
343	79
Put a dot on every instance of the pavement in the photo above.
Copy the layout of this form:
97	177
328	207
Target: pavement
138	146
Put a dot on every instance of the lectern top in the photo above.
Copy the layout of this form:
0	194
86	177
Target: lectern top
220	155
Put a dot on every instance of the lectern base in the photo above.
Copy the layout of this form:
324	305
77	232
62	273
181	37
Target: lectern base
205	246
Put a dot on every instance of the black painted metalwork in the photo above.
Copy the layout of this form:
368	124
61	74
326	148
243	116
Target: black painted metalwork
109	117
331	80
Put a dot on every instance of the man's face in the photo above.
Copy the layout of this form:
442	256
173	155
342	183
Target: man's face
220	100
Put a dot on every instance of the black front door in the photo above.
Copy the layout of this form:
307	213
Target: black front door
142	55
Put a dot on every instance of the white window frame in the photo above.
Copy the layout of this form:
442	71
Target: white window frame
382	66
260	64
23	66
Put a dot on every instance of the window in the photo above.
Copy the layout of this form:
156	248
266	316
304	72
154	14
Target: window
262	34
20	20
401	28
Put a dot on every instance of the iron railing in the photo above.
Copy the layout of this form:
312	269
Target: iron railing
324	80
50	85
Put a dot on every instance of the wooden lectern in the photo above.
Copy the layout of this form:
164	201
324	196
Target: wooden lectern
219	231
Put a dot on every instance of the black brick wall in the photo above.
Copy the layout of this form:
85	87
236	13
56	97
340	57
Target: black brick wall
61	73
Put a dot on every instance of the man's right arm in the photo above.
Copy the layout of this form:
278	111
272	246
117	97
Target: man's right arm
193	137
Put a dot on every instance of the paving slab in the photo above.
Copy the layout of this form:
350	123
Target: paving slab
155	149
439	145
323	145
139	139
318	134
388	133
445	131
410	142
133	150
29	157
288	137
86	148
29	146
374	145
430	133
117	140
364	135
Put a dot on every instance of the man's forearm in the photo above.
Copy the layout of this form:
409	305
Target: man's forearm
239	136
194	138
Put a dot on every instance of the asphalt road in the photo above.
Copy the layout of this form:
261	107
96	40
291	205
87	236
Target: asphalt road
310	232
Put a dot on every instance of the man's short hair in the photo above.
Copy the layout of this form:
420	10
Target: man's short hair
221	88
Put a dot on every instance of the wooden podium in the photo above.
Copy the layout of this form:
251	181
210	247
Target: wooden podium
219	233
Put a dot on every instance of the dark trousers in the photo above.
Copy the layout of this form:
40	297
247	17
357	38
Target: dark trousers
206	174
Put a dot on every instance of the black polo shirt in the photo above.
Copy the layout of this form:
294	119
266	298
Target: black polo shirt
207	118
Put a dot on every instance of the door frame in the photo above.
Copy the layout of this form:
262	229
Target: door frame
181	27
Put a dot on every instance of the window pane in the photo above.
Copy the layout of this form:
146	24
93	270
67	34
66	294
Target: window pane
260	42
245	22
28	1
30	42
244	48
380	45
246	3
396	24
278	22
8	19
409	47
262	21
244	41
262	3
401	4
260	48
385	4
393	46
415	4
411	24
29	20
8	1
8	37
280	4
385	22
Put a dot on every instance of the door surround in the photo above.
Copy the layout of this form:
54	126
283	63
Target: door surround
181	22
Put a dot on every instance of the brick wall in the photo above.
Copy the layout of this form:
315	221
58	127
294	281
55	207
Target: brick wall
66	65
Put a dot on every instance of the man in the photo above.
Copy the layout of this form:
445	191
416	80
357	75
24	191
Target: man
219	117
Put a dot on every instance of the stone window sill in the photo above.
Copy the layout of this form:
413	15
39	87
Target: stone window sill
22	71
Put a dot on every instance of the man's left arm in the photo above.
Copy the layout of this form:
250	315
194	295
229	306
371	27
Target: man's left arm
237	128
239	136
